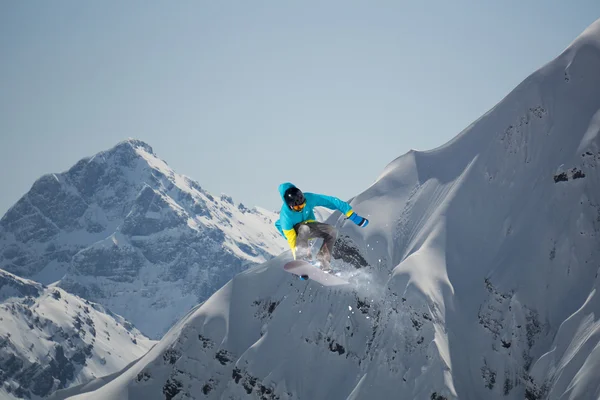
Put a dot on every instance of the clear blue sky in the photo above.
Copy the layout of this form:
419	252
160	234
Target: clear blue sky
242	95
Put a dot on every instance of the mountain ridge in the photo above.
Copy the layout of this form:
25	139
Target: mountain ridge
50	339
123	224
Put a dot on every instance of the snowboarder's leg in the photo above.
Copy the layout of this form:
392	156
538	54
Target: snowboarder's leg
303	233
328	233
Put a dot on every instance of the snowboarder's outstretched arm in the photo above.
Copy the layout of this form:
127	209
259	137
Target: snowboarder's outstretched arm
334	203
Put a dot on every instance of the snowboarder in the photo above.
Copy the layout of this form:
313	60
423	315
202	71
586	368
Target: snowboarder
297	222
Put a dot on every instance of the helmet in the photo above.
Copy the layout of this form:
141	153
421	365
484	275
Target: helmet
294	198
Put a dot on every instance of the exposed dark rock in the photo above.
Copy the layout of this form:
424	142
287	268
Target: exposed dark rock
18	287
227	199
247	249
206	342
249	384
562	177
336	348
416	323
79	357
237	374
171	388
533	327
578	174
345	250
362	306
207	388
223	356
171	356
143	376
489	376
120	263
508	385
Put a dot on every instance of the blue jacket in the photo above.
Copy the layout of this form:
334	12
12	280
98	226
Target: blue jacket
288	218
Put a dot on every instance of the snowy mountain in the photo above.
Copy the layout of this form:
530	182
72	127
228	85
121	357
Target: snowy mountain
482	277
50	339
124	230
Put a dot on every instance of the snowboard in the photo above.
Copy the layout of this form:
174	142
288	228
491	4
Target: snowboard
306	270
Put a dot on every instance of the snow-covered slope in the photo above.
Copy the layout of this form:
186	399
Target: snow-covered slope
50	339
482	280
124	230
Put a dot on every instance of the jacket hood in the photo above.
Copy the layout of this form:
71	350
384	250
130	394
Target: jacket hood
283	187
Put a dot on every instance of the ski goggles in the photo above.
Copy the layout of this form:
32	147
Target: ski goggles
299	207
